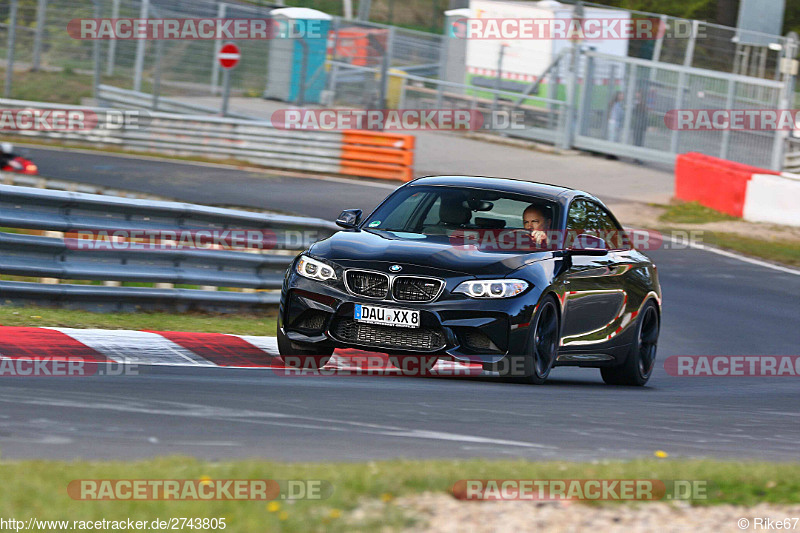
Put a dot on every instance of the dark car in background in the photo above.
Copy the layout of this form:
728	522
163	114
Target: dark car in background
444	268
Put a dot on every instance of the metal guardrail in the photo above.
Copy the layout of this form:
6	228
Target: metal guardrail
111	96
354	153
55	257
792	156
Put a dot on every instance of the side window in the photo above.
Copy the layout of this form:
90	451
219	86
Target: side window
398	220
576	217
432	217
603	226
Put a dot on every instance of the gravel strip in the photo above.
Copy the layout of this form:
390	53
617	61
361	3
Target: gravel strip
443	513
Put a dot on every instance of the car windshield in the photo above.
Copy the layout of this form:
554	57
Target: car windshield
436	210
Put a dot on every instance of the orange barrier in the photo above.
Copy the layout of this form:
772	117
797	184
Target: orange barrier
377	155
713	182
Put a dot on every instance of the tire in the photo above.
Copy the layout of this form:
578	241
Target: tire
308	358
638	366
542	348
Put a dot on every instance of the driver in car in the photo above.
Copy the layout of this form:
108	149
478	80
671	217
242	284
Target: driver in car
537	223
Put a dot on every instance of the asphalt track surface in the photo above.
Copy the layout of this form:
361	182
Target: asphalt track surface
713	305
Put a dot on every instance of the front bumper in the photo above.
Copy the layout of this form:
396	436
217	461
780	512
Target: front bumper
454	326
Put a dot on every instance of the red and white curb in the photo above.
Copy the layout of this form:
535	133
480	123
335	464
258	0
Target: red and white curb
180	349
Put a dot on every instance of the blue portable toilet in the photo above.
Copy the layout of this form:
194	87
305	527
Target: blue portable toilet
297	31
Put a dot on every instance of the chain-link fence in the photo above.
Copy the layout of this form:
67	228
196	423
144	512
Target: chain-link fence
578	95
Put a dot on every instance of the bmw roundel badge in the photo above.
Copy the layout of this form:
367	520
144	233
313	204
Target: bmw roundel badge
395	268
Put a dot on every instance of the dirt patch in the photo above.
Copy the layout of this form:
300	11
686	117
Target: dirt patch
443	513
641	215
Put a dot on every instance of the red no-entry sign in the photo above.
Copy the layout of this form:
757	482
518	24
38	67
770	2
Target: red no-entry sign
229	55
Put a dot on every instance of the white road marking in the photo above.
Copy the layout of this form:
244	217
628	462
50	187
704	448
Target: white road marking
206	412
725	253
267	344
134	347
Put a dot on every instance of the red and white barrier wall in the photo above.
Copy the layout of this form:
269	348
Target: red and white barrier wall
752	193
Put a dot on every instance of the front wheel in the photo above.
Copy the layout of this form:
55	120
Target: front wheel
638	366
308	358
535	365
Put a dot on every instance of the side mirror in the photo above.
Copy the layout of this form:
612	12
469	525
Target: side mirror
586	244
349	218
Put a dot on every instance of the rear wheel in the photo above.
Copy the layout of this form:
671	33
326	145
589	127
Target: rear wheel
542	349
641	358
308	358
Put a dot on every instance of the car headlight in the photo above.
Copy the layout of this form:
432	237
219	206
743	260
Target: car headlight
492	288
314	269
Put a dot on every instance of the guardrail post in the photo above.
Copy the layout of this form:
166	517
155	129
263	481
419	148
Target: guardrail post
55	235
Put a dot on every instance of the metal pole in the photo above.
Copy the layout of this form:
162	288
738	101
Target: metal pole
157	74
659	44
96	55
673	141
226	90
112	43
629	92
726	133
301	90
786	93
585	106
387	57
572	88
689	56
364	7
347	8
37	38
140	44
221	9
12	37
497	79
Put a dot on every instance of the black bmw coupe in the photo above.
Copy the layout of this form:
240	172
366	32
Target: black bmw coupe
519	277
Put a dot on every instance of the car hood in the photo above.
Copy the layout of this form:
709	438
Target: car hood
364	247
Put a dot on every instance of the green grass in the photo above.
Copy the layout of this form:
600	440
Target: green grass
241	324
38	488
780	251
64	87
692	213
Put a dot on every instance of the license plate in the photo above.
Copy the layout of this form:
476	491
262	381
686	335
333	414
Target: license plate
386	316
